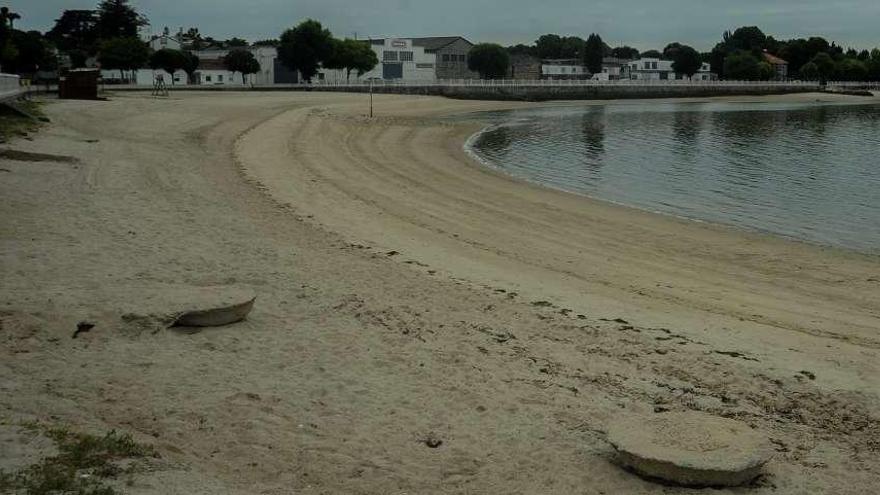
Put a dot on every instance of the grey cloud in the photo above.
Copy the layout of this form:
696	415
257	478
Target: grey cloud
642	23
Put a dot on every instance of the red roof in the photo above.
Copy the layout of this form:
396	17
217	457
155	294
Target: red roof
774	60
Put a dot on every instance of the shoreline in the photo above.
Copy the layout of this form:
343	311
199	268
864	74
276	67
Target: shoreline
405	294
470	144
415	238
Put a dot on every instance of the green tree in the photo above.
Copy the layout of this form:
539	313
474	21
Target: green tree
235	42
625	52
765	71
491	61
549	46
852	69
874	65
825	65
8	50
686	60
748	38
305	47
32	52
572	47
117	19
267	42
522	49
192	39
671	50
190	65
742	65
809	71
594	51
168	60
8	17
652	54
352	55
716	58
241	60
75	33
123	54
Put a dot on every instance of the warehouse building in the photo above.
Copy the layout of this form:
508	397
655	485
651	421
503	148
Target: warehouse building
413	59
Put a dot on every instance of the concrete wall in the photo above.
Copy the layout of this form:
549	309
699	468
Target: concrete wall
10	86
598	92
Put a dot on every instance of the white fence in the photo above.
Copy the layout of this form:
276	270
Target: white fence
533	83
540	83
10	86
870	85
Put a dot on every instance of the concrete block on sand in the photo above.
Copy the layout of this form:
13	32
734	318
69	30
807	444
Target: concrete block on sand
191	306
691	448
218	308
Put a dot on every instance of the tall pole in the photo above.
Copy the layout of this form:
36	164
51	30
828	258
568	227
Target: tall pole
371	98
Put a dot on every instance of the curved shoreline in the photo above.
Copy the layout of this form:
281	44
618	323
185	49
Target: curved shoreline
470	148
405	182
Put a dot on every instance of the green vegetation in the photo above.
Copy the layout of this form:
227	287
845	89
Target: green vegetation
491	61
594	51
241	60
13	124
304	47
82	466
351	55
168	60
686	60
625	52
742	65
123	54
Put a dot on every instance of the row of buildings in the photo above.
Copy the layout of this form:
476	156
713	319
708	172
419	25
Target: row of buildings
416	60
410	59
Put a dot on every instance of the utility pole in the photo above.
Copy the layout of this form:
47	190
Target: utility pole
371	98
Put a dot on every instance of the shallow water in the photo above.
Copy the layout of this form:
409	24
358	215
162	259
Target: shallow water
807	171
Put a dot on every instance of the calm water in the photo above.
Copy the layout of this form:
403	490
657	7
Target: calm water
808	171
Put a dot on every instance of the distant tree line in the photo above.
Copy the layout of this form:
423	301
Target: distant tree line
109	36
738	56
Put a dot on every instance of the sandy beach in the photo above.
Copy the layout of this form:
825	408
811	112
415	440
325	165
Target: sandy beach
405	292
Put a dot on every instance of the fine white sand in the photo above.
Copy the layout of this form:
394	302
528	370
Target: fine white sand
404	292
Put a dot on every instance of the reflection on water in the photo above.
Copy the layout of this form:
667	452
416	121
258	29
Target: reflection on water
810	171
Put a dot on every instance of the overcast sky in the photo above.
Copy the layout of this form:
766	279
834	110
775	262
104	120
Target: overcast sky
644	24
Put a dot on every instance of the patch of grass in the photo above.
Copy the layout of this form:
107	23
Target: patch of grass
13	124
81	467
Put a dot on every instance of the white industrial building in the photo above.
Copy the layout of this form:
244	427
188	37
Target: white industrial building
399	59
655	69
414	59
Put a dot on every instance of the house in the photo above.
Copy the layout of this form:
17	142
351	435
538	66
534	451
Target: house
564	69
655	69
164	40
780	67
213	72
613	69
524	67
267	57
451	53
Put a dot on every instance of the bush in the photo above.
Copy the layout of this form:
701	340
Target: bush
490	60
